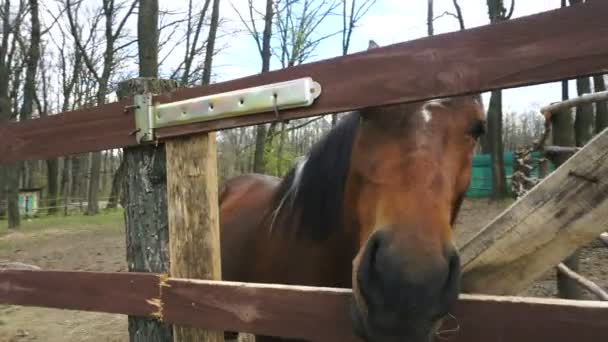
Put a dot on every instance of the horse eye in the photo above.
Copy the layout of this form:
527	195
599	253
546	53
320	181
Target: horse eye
477	129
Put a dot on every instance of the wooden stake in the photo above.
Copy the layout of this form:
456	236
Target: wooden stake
194	241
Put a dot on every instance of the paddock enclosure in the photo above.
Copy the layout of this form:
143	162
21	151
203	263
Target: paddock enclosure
530	237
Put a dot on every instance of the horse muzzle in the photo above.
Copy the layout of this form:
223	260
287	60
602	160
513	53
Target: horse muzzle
399	295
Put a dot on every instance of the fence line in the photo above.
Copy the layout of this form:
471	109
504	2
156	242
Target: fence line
443	65
312	313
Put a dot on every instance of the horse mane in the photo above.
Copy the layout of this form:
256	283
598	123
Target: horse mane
309	199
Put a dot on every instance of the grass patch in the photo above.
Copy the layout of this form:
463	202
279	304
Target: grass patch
105	220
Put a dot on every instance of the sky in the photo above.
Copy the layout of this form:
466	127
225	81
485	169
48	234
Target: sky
388	22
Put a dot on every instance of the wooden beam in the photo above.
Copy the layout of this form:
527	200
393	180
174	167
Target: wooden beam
565	211
570	103
533	49
194	233
121	293
317	314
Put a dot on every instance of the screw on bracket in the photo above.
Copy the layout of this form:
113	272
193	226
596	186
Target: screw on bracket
129	108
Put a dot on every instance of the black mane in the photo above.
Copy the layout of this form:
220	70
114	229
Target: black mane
312	204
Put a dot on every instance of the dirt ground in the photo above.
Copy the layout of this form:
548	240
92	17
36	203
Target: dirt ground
98	244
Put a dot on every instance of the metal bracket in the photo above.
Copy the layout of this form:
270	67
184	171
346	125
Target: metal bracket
296	93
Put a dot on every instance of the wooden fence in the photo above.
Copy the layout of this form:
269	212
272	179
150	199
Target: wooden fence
519	52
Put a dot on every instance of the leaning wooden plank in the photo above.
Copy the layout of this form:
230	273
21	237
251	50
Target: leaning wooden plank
123	293
567	210
316	314
533	49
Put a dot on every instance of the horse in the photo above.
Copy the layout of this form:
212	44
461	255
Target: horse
370	207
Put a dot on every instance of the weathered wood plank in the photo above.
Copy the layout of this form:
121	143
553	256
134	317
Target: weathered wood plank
533	49
318	314
123	293
573	102
563	212
194	233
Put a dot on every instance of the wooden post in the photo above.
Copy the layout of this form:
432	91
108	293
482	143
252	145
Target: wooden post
194	217
145	202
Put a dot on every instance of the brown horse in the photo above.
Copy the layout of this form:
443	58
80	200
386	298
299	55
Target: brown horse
370	207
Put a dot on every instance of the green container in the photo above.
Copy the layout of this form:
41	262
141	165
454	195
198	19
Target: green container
481	175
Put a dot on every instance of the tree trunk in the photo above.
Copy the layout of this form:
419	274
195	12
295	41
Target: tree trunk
563	135
66	189
115	191
14	218
93	192
52	174
210	48
601	114
499	189
76	177
583	124
104	171
260	139
2	192
280	151
145	182
5	102
145	202
429	18
258	157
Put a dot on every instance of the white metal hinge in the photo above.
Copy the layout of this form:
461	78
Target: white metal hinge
296	93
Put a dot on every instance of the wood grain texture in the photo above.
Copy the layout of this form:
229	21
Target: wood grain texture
562	213
316	314
532	50
83	130
192	198
123	293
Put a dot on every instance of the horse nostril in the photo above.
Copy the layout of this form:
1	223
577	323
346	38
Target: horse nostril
452	285
370	267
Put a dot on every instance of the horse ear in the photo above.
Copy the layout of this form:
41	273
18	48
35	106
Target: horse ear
372	45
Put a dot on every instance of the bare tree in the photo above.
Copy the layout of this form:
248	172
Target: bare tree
262	41
112	33
497	13
297	22
210	46
352	13
194	45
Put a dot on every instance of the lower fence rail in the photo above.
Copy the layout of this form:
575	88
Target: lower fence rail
310	313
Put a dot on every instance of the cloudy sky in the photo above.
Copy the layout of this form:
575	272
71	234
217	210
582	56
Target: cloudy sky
389	21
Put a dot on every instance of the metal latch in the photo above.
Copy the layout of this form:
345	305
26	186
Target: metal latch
296	93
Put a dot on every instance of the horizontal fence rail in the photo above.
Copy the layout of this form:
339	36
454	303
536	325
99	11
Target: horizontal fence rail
312	313
523	51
